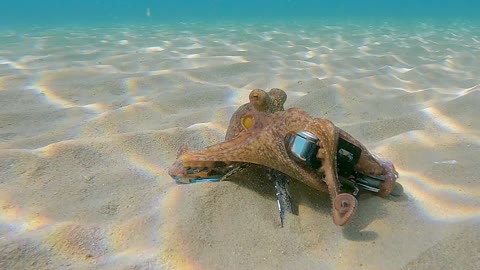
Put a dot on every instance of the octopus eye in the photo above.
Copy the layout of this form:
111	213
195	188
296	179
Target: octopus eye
248	122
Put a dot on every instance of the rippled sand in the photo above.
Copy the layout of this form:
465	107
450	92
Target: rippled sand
90	120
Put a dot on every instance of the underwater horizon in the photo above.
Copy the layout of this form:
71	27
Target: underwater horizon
55	13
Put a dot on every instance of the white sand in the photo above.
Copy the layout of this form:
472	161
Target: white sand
90	119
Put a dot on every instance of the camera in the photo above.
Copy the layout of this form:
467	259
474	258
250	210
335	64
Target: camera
303	147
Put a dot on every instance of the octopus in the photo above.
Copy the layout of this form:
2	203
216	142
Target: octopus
261	132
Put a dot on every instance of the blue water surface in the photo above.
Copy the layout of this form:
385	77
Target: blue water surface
82	12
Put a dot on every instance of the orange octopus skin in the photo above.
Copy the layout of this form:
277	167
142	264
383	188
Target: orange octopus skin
256	135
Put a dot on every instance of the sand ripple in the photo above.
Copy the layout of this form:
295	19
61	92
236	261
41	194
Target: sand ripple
90	119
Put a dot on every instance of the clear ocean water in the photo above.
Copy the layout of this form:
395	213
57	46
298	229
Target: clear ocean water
77	12
97	97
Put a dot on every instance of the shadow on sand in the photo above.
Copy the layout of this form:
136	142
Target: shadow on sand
370	208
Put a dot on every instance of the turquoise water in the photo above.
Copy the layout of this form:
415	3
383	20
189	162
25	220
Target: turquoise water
59	12
96	98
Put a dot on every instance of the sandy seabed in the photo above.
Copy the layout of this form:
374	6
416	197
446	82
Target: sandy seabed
90	120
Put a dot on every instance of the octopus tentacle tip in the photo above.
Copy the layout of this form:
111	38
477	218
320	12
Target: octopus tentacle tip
344	205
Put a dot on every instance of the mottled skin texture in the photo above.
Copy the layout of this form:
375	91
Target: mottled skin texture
257	133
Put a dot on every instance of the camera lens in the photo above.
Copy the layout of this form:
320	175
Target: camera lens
303	146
